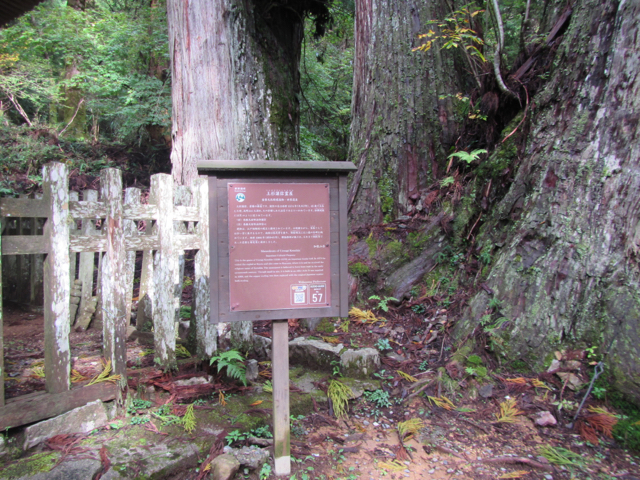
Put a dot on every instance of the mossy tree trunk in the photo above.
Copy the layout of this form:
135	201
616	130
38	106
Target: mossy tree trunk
401	126
235	80
566	236
235	85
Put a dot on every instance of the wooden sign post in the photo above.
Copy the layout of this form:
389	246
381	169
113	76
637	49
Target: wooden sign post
278	248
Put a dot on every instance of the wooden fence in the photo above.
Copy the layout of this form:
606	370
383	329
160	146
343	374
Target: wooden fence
176	220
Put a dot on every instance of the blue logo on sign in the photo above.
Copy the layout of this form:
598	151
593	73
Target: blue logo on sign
240	197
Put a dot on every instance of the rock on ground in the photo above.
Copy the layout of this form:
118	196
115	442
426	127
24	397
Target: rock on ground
79	420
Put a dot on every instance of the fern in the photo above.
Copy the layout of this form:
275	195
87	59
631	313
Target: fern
468	156
340	394
409	428
189	420
508	411
232	361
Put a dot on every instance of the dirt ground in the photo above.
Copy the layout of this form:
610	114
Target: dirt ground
459	434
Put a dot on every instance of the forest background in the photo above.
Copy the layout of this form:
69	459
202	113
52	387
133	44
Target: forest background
516	212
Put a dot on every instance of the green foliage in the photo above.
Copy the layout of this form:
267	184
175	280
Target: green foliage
447	181
185	311
262	432
383	344
383	302
265	471
358	269
189	420
326	78
379	397
235	437
139	420
339	394
231	360
468	157
138	404
112	59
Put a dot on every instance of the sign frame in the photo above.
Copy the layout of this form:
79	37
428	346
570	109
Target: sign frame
221	173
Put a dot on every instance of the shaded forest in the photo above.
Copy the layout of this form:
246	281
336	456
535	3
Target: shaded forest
495	144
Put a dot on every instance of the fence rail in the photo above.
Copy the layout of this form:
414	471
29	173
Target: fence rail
176	220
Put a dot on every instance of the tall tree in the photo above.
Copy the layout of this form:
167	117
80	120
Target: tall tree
402	115
235	80
567	232
235	85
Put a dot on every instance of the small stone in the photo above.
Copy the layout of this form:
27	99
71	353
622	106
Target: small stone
224	467
431	471
545	419
555	365
366	423
486	391
444	462
548	477
450	470
376	424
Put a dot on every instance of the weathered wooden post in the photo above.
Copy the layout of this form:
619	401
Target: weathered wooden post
165	265
278	251
204	330
87	259
37	259
56	278
113	279
131	197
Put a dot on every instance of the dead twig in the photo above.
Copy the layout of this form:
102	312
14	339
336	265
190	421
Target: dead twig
451	452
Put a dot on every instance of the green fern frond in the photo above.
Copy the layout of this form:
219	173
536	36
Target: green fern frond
189	420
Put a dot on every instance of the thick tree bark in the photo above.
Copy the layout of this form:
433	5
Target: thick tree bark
235	84
401	127
234	66
568	230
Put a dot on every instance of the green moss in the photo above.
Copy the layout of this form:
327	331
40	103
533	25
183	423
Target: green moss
416	241
395	252
325	326
358	269
373	245
26	467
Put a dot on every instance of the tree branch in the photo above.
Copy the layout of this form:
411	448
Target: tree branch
498	52
72	118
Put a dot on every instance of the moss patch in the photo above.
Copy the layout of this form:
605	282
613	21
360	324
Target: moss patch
38	463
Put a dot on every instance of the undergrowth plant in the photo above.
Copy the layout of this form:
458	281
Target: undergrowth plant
339	394
231	360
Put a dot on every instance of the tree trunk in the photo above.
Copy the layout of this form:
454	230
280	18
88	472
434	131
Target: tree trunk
235	82
400	126
568	231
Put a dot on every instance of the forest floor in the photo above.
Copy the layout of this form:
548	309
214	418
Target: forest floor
467	429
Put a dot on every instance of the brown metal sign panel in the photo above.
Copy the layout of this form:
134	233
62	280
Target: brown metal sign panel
279	246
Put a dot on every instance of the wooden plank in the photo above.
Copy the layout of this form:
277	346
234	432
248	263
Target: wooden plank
23	207
185	213
187	242
36	287
83	243
88	209
213	246
113	279
73	256
140	212
181	199
56	279
87	258
206	166
280	370
24	245
165	264
21	411
343	229
131	197
204	331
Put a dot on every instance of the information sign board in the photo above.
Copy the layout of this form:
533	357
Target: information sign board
279	246
278	239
